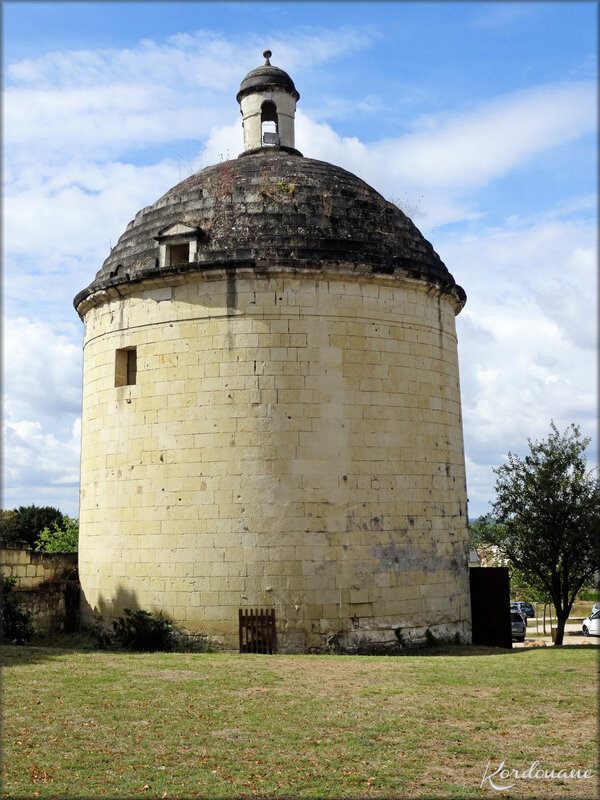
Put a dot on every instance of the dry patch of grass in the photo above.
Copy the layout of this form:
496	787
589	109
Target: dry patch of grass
182	725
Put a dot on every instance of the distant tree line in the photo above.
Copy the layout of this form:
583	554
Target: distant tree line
42	528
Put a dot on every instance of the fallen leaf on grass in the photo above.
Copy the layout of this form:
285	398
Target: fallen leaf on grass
40	776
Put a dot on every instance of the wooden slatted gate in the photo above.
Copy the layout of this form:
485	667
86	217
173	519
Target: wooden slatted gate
257	630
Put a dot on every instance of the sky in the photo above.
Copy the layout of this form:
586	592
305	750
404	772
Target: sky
479	119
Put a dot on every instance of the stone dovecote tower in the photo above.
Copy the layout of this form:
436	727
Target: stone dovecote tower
271	406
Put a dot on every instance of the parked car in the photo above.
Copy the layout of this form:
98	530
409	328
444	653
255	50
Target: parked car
526	608
517	609
591	625
518	626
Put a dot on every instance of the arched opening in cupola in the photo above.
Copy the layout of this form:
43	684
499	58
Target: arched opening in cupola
268	123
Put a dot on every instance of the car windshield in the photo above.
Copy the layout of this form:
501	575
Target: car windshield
515	617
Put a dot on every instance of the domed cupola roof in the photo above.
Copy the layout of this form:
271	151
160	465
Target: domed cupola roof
272	211
267	77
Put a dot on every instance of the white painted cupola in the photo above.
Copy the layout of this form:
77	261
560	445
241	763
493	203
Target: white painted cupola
267	99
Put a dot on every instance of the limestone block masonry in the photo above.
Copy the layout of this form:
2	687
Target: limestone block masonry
271	406
292	441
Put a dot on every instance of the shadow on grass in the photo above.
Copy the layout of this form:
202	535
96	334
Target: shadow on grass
85	639
464	651
480	650
55	647
14	655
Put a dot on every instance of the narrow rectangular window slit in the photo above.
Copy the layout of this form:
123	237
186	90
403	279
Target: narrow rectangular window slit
126	366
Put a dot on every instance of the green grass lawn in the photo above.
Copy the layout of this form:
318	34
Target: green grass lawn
180	725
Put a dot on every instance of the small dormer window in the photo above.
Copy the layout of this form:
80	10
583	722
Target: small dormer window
269	124
178	244
178	254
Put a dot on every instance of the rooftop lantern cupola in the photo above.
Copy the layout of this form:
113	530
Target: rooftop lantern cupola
267	99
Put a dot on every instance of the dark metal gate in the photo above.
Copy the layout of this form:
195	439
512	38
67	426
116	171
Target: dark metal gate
490	606
257	630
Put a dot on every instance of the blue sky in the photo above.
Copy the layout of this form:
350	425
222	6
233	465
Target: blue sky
478	119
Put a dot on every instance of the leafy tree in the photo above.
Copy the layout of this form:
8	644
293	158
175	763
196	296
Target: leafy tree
522	588
27	522
482	531
15	623
9	525
33	520
548	509
60	538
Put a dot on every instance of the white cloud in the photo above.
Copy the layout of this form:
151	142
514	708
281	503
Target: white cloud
223	143
79	101
527	338
201	59
547	269
74	121
77	209
586	205
480	477
40	467
468	149
378	167
105	119
41	419
42	370
448	156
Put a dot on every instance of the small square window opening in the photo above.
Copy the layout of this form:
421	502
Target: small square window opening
178	254
126	366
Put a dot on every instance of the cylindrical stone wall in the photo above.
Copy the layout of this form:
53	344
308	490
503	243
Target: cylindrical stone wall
293	440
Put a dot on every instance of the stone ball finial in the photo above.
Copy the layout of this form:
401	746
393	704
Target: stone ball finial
267	54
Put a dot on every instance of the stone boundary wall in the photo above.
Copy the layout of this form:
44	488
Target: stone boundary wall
47	583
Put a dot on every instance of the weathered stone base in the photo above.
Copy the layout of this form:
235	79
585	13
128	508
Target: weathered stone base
371	639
